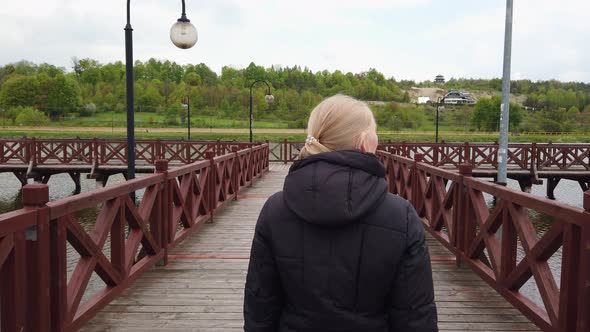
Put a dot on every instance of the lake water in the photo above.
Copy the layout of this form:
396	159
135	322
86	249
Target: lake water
61	186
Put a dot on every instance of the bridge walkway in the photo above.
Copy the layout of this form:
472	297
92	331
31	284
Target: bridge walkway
201	288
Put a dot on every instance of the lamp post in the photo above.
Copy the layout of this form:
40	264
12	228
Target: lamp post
184	35
187	105
269	99
438	108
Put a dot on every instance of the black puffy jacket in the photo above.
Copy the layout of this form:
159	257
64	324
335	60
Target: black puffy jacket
334	251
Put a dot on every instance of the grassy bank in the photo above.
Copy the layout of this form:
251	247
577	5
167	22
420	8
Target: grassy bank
157	120
275	137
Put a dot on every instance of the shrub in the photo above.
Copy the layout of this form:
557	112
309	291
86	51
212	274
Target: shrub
550	126
28	116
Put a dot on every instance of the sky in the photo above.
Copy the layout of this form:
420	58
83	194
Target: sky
404	39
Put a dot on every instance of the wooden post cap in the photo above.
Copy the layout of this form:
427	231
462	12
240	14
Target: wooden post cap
161	165
587	201
209	154
465	169
418	157
35	194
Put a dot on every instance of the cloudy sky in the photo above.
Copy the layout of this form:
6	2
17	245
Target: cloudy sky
407	39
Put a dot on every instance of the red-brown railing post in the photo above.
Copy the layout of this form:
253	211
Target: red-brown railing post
156	151
285	159
584	294
404	150
469	225
235	173
33	151
252	169
435	156
466	154
13	308
533	165
210	155
462	211
35	196
268	154
94	152
2	153
160	226
418	157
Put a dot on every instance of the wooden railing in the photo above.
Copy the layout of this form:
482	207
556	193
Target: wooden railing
35	291
454	210
531	157
108	151
520	156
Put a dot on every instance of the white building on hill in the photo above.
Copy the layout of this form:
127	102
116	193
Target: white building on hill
458	97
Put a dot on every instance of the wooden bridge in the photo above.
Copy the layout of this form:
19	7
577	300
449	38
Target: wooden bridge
176	258
39	159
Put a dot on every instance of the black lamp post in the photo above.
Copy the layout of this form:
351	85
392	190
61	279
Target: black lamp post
438	107
184	35
269	99
188	115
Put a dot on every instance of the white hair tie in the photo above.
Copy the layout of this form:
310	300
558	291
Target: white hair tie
310	140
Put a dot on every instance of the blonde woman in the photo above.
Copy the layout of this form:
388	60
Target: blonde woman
334	251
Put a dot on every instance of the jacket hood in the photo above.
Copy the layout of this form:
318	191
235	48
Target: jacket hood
335	188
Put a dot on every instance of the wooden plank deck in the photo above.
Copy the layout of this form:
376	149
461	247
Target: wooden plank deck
201	289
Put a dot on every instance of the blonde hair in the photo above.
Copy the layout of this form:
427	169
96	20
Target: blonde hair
338	123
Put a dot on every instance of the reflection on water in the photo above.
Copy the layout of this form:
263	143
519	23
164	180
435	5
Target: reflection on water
61	186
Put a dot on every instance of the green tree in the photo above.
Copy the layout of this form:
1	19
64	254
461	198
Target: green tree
63	95
20	91
172	114
486	114
149	98
192	79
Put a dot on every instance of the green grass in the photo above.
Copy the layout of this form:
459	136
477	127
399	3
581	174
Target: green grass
155	120
384	136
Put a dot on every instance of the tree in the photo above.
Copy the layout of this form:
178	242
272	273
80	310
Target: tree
87	70
486	114
254	72
172	114
20	91
192	79
149	98
63	95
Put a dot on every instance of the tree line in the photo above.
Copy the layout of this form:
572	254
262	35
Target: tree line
161	86
34	91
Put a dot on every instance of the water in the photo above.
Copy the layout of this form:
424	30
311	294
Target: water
568	192
61	186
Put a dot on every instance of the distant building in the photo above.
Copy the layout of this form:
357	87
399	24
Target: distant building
458	97
440	79
423	100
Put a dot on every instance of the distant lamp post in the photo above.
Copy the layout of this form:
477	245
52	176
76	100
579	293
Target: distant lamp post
438	109
184	35
186	105
269	99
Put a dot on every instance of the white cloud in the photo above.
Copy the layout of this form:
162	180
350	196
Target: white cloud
414	39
